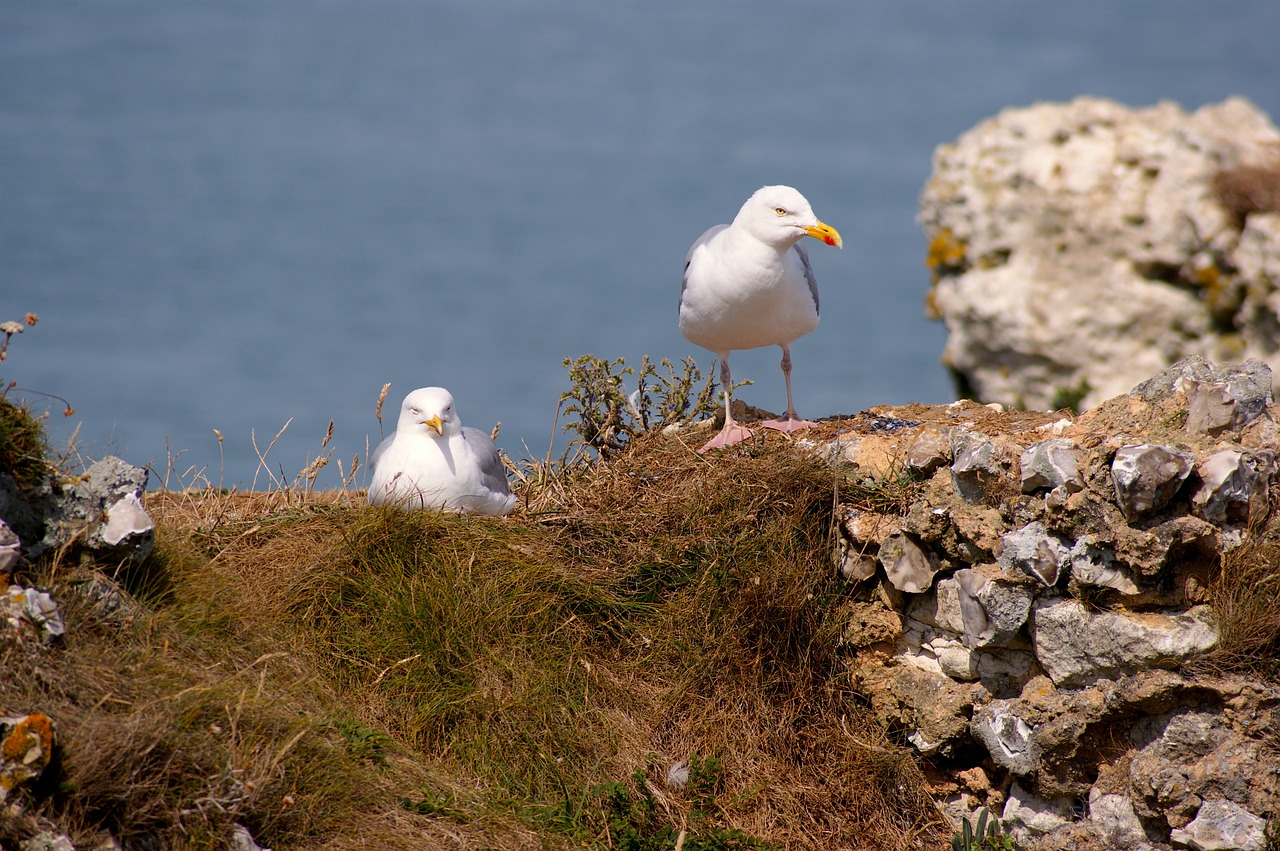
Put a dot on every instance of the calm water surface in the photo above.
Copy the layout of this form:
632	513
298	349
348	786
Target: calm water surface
234	214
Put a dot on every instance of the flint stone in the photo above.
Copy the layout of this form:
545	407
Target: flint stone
1010	740
1147	476
1232	482
1027	816
976	466
1113	817
940	651
1223	826
936	651
21	605
10	548
908	567
125	518
1076	646
939	608
930	451
1053	464
854	566
1095	565
1180	736
1035	552
992	611
1235	396
1166	383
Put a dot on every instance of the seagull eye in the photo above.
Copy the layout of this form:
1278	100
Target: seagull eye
781	211
415	411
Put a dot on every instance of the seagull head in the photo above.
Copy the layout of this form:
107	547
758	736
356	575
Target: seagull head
780	216
429	411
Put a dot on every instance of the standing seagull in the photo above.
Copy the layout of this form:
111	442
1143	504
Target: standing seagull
749	284
433	461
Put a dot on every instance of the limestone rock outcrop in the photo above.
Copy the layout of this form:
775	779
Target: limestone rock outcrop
1078	248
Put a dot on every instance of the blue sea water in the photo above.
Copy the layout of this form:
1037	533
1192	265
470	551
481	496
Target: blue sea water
233	214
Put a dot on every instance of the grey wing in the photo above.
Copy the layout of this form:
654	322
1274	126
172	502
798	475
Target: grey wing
492	474
808	274
697	243
381	448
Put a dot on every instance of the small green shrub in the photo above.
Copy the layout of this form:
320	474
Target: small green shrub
607	418
22	445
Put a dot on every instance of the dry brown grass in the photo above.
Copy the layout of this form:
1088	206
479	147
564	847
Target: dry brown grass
1245	596
1249	188
303	662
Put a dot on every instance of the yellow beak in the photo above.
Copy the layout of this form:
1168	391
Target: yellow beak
435	424
826	233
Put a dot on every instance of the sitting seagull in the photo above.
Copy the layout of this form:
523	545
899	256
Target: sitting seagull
433	461
749	284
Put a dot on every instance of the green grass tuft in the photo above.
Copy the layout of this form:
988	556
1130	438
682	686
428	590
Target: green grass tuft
22	446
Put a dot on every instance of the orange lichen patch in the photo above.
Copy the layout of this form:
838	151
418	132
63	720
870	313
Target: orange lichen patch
25	751
30	739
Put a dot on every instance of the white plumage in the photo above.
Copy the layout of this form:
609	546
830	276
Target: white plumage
432	461
749	284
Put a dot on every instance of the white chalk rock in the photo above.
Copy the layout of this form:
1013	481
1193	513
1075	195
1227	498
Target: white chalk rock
1076	646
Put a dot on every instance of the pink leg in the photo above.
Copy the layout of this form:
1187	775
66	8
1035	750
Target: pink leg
790	421
732	432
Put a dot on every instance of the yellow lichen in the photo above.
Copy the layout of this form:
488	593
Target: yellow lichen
946	251
1209	276
931	310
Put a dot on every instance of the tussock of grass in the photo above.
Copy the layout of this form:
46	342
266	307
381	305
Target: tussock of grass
892	493
22	445
1246	600
321	670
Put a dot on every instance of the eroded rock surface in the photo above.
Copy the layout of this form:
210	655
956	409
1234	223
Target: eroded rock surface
1037	610
1080	247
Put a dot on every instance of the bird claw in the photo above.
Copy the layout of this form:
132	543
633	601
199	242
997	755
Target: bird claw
787	425
728	436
